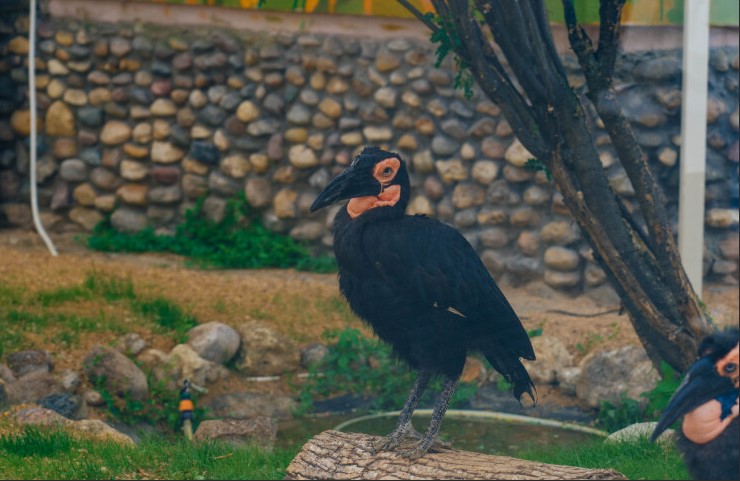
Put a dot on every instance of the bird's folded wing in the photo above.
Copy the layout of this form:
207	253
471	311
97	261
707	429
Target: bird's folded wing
435	265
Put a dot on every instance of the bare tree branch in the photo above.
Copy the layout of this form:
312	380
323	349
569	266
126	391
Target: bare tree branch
579	39
536	40
531	84
491	76
610	14
638	303
416	13
546	34
598	68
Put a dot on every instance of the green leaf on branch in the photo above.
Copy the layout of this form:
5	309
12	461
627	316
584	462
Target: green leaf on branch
448	42
536	165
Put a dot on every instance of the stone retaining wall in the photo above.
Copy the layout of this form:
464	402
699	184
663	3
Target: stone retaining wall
139	121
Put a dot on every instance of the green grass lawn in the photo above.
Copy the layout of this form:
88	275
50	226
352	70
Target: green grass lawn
637	459
43	454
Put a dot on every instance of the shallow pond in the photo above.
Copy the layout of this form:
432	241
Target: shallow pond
489	436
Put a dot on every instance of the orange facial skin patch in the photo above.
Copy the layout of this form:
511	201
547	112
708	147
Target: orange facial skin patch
384	172
728	365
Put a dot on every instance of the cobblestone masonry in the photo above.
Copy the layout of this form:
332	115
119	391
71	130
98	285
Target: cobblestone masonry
138	122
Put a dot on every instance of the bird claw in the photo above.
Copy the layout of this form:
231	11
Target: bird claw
424	446
388	443
439	445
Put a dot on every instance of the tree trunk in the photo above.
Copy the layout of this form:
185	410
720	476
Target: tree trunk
336	455
506	47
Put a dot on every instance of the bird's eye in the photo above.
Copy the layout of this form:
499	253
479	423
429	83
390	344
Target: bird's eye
387	171
730	367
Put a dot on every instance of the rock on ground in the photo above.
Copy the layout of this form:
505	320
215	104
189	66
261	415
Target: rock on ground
32	387
184	363
214	341
568	380
117	373
68	405
608	375
25	362
238	432
90	428
265	352
313	354
634	432
130	344
552	359
6	374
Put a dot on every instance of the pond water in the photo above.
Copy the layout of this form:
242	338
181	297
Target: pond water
472	434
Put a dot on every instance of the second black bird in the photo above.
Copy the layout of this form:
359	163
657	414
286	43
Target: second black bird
421	287
707	400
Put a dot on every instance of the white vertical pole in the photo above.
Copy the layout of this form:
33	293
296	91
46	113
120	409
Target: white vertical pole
693	139
32	109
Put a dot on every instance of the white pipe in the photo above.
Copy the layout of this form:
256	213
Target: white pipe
464	413
32	101
693	139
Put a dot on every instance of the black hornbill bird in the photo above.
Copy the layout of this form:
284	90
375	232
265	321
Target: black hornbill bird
421	287
708	401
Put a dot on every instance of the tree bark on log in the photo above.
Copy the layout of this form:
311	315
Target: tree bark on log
337	455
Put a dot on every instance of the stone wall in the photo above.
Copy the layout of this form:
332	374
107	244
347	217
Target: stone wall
139	121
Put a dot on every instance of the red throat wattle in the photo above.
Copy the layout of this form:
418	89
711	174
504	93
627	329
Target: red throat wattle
360	205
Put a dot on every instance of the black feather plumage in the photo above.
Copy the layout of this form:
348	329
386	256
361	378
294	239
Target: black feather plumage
421	286
719	457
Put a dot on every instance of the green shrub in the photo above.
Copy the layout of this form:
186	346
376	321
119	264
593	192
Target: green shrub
160	409
166	314
613	417
658	398
111	288
95	285
238	241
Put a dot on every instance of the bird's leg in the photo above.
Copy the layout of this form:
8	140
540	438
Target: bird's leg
404	428
430	440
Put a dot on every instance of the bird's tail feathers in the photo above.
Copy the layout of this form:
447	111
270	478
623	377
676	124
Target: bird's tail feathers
509	366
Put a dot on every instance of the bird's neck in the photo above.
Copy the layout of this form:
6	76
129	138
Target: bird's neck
344	219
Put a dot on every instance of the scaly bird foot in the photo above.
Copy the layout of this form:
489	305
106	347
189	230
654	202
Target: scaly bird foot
424	446
390	442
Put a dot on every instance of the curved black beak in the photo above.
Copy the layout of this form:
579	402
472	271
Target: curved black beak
352	182
701	385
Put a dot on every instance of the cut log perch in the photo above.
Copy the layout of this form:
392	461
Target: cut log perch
337	455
